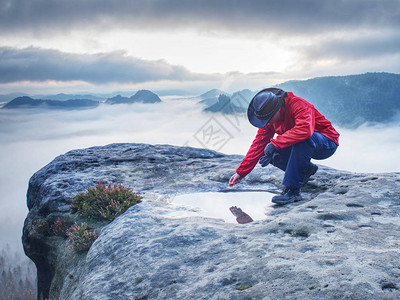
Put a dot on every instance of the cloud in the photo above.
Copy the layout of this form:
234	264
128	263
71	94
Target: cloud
309	38
354	48
283	16
346	55
35	70
35	64
324	38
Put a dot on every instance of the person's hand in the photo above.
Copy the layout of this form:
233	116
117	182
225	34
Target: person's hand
267	157
235	179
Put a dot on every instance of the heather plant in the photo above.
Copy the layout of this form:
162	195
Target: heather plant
81	237
58	227
105	202
41	226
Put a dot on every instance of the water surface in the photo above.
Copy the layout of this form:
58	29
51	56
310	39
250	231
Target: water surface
216	204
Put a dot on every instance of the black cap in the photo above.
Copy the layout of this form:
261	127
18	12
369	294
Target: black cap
264	105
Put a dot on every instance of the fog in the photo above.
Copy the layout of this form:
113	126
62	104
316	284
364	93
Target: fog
32	138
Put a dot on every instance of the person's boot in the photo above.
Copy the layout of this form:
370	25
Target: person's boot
288	195
312	169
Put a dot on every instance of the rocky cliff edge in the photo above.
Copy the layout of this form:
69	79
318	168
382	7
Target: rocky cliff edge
342	241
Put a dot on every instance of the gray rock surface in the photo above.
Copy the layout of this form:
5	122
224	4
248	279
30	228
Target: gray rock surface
341	242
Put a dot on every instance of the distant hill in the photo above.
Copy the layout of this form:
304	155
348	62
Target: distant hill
209	101
65	97
242	98
351	100
225	103
11	96
142	96
117	100
347	101
214	93
63	101
28	102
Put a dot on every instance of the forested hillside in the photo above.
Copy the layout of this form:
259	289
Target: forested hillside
352	100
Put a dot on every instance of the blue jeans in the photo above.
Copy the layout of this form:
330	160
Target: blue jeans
295	160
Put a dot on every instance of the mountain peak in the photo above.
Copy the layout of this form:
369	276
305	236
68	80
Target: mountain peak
213	93
143	96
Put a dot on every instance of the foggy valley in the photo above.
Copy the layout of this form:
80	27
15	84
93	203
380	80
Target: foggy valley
32	138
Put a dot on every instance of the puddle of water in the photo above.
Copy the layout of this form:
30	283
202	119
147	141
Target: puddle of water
216	205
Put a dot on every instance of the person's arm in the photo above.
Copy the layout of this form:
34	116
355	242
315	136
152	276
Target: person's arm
235	179
303	129
256	150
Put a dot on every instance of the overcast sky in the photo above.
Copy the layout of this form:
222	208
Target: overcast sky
102	45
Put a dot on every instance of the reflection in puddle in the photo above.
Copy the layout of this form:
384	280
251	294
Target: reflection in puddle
216	205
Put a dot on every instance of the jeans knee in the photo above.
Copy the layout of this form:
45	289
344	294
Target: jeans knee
306	145
279	161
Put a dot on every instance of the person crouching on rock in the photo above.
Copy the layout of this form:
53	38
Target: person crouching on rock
302	133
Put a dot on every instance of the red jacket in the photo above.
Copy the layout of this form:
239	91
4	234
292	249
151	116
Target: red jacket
300	121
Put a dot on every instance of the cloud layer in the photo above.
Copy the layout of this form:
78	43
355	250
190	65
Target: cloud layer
34	64
99	42
354	48
31	69
283	16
